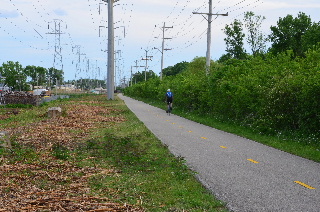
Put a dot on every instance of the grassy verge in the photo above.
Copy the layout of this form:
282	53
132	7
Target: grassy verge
305	146
97	155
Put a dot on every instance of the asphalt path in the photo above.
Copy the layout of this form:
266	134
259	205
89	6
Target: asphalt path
246	175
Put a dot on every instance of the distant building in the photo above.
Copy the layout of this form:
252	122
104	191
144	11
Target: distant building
67	87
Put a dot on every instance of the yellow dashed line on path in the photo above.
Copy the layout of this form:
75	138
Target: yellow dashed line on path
253	161
305	185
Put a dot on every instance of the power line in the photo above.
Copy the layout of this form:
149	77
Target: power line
163	49
210	14
57	32
148	57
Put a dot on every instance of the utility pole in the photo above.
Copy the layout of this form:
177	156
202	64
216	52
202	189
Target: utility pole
123	84
110	74
209	19
146	67
136	66
115	65
131	77
163	49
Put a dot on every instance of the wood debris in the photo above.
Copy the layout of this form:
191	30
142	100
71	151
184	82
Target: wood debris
48	184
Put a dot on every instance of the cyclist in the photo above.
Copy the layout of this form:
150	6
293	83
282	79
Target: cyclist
169	100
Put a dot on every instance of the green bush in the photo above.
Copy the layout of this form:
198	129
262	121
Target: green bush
270	94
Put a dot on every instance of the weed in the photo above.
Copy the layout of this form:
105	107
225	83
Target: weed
60	152
22	153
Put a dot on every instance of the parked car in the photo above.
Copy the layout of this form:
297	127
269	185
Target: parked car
3	88
40	92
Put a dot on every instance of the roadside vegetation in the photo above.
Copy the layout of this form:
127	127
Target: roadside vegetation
268	95
273	100
97	156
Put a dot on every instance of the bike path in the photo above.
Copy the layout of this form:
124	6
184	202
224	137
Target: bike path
246	175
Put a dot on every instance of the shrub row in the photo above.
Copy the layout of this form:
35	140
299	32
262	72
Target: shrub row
270	94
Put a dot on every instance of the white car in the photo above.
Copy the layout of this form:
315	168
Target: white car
4	88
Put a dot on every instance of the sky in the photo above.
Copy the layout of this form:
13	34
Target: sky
72	35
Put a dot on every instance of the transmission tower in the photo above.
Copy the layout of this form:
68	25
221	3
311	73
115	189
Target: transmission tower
57	32
78	61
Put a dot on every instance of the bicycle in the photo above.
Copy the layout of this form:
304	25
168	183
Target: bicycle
169	108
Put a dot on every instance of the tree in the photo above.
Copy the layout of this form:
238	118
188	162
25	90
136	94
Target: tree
176	69
234	40
54	76
37	75
224	57
140	76
14	74
312	36
289	34
167	71
255	37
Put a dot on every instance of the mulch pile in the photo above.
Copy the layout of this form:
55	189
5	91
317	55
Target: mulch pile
48	184
73	127
52	187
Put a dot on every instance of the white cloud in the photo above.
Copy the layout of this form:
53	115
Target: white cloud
9	14
60	12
